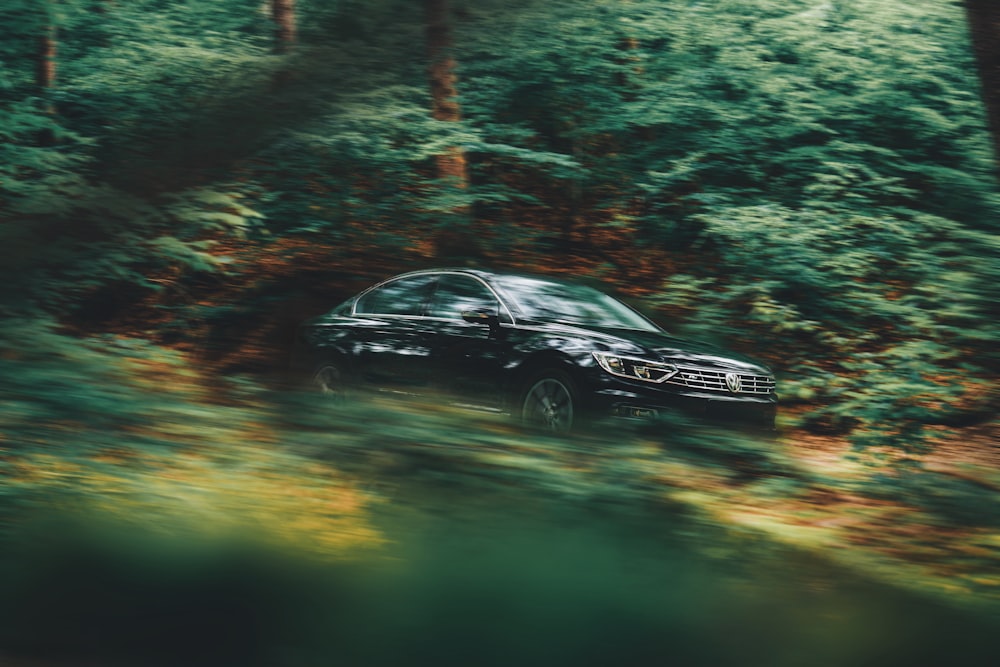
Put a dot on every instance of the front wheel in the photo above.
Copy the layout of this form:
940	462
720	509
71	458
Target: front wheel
549	402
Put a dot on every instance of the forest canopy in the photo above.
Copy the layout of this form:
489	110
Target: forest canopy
809	180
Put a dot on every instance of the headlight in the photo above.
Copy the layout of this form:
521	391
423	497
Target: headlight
634	368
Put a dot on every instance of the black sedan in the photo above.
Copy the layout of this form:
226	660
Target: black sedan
550	352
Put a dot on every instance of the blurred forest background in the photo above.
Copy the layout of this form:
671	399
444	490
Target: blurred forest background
183	181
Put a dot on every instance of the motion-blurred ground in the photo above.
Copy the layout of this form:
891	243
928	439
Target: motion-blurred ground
152	515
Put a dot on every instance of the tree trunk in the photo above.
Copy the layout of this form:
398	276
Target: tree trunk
984	24
444	96
454	238
45	76
285	31
45	65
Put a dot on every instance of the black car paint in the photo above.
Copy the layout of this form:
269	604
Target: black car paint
490	363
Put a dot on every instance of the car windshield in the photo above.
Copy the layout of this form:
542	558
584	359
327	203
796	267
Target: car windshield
575	304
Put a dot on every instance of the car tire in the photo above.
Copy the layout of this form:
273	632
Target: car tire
331	381
549	402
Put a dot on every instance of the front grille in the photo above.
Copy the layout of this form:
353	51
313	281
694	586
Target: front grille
713	380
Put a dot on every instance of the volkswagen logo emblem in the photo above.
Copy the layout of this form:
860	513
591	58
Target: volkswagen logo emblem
733	382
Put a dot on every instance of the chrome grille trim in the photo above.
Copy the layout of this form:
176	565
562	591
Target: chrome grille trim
715	380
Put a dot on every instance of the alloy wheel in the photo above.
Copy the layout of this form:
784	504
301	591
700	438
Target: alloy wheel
549	404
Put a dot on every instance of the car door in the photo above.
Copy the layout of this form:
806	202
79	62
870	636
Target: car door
391	343
466	359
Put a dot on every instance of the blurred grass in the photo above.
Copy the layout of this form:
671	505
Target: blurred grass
150	515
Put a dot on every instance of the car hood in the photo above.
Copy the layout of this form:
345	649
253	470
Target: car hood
661	346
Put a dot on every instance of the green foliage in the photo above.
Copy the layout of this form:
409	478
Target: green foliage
234	525
125	469
814	178
819	174
72	224
456	586
952	500
52	382
890	396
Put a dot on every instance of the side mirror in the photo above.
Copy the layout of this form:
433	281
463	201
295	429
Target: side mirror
485	316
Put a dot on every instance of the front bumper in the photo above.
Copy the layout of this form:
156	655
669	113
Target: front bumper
630	401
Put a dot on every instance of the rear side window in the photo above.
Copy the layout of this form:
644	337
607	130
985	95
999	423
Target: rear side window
406	296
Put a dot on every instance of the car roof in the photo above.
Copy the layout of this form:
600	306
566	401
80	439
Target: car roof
487	274
448	269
